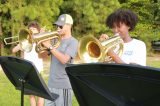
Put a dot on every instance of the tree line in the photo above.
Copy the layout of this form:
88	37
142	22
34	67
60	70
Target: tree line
89	17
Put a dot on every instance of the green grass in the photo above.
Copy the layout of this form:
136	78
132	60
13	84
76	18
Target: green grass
153	61
9	96
155	64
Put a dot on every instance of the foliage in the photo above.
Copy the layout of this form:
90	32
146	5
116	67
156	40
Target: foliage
89	16
148	11
16	14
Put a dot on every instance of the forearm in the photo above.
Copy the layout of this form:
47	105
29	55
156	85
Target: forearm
115	57
63	58
16	48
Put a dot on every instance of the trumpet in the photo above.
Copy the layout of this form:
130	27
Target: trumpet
26	40
92	50
44	36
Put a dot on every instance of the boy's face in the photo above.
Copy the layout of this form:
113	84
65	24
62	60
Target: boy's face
122	29
34	30
62	30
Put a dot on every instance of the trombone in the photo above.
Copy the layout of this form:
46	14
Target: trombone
26	40
7	40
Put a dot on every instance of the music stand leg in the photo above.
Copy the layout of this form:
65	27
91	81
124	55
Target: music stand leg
22	91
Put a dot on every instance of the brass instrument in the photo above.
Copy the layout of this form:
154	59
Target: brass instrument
92	50
44	36
23	38
26	40
14	38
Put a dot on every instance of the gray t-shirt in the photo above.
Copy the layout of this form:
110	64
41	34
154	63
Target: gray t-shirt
58	77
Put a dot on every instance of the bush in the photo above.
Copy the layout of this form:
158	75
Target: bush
146	33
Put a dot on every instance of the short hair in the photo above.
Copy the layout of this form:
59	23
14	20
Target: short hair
35	25
122	16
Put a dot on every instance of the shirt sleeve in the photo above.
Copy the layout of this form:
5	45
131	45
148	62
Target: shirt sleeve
141	54
72	48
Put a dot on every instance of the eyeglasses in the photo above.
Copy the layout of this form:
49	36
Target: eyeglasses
58	26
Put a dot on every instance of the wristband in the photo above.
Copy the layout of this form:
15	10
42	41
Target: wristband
50	48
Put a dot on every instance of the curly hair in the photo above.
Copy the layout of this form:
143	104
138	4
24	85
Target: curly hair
34	24
122	16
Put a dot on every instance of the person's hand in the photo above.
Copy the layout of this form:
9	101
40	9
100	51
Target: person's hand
111	53
43	29
46	43
114	56
43	54
103	37
16	48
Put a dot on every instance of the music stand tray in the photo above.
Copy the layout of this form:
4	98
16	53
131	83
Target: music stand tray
25	77
102	84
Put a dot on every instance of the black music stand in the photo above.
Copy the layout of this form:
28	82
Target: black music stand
25	77
115	84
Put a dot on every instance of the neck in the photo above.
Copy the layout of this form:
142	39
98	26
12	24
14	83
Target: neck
127	39
67	35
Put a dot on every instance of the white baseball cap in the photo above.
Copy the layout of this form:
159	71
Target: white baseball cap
64	19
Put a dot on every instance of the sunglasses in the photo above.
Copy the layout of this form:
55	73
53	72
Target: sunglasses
58	26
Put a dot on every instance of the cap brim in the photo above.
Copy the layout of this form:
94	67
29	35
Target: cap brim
59	23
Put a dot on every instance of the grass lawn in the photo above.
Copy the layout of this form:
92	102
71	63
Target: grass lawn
154	61
11	97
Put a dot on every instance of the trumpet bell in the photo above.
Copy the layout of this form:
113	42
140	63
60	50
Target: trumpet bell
90	50
25	40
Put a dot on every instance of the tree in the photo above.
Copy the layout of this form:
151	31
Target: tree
149	15
89	15
102	9
0	36
16	14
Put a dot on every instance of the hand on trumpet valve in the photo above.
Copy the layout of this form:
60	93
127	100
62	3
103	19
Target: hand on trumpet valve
43	29
46	43
103	37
